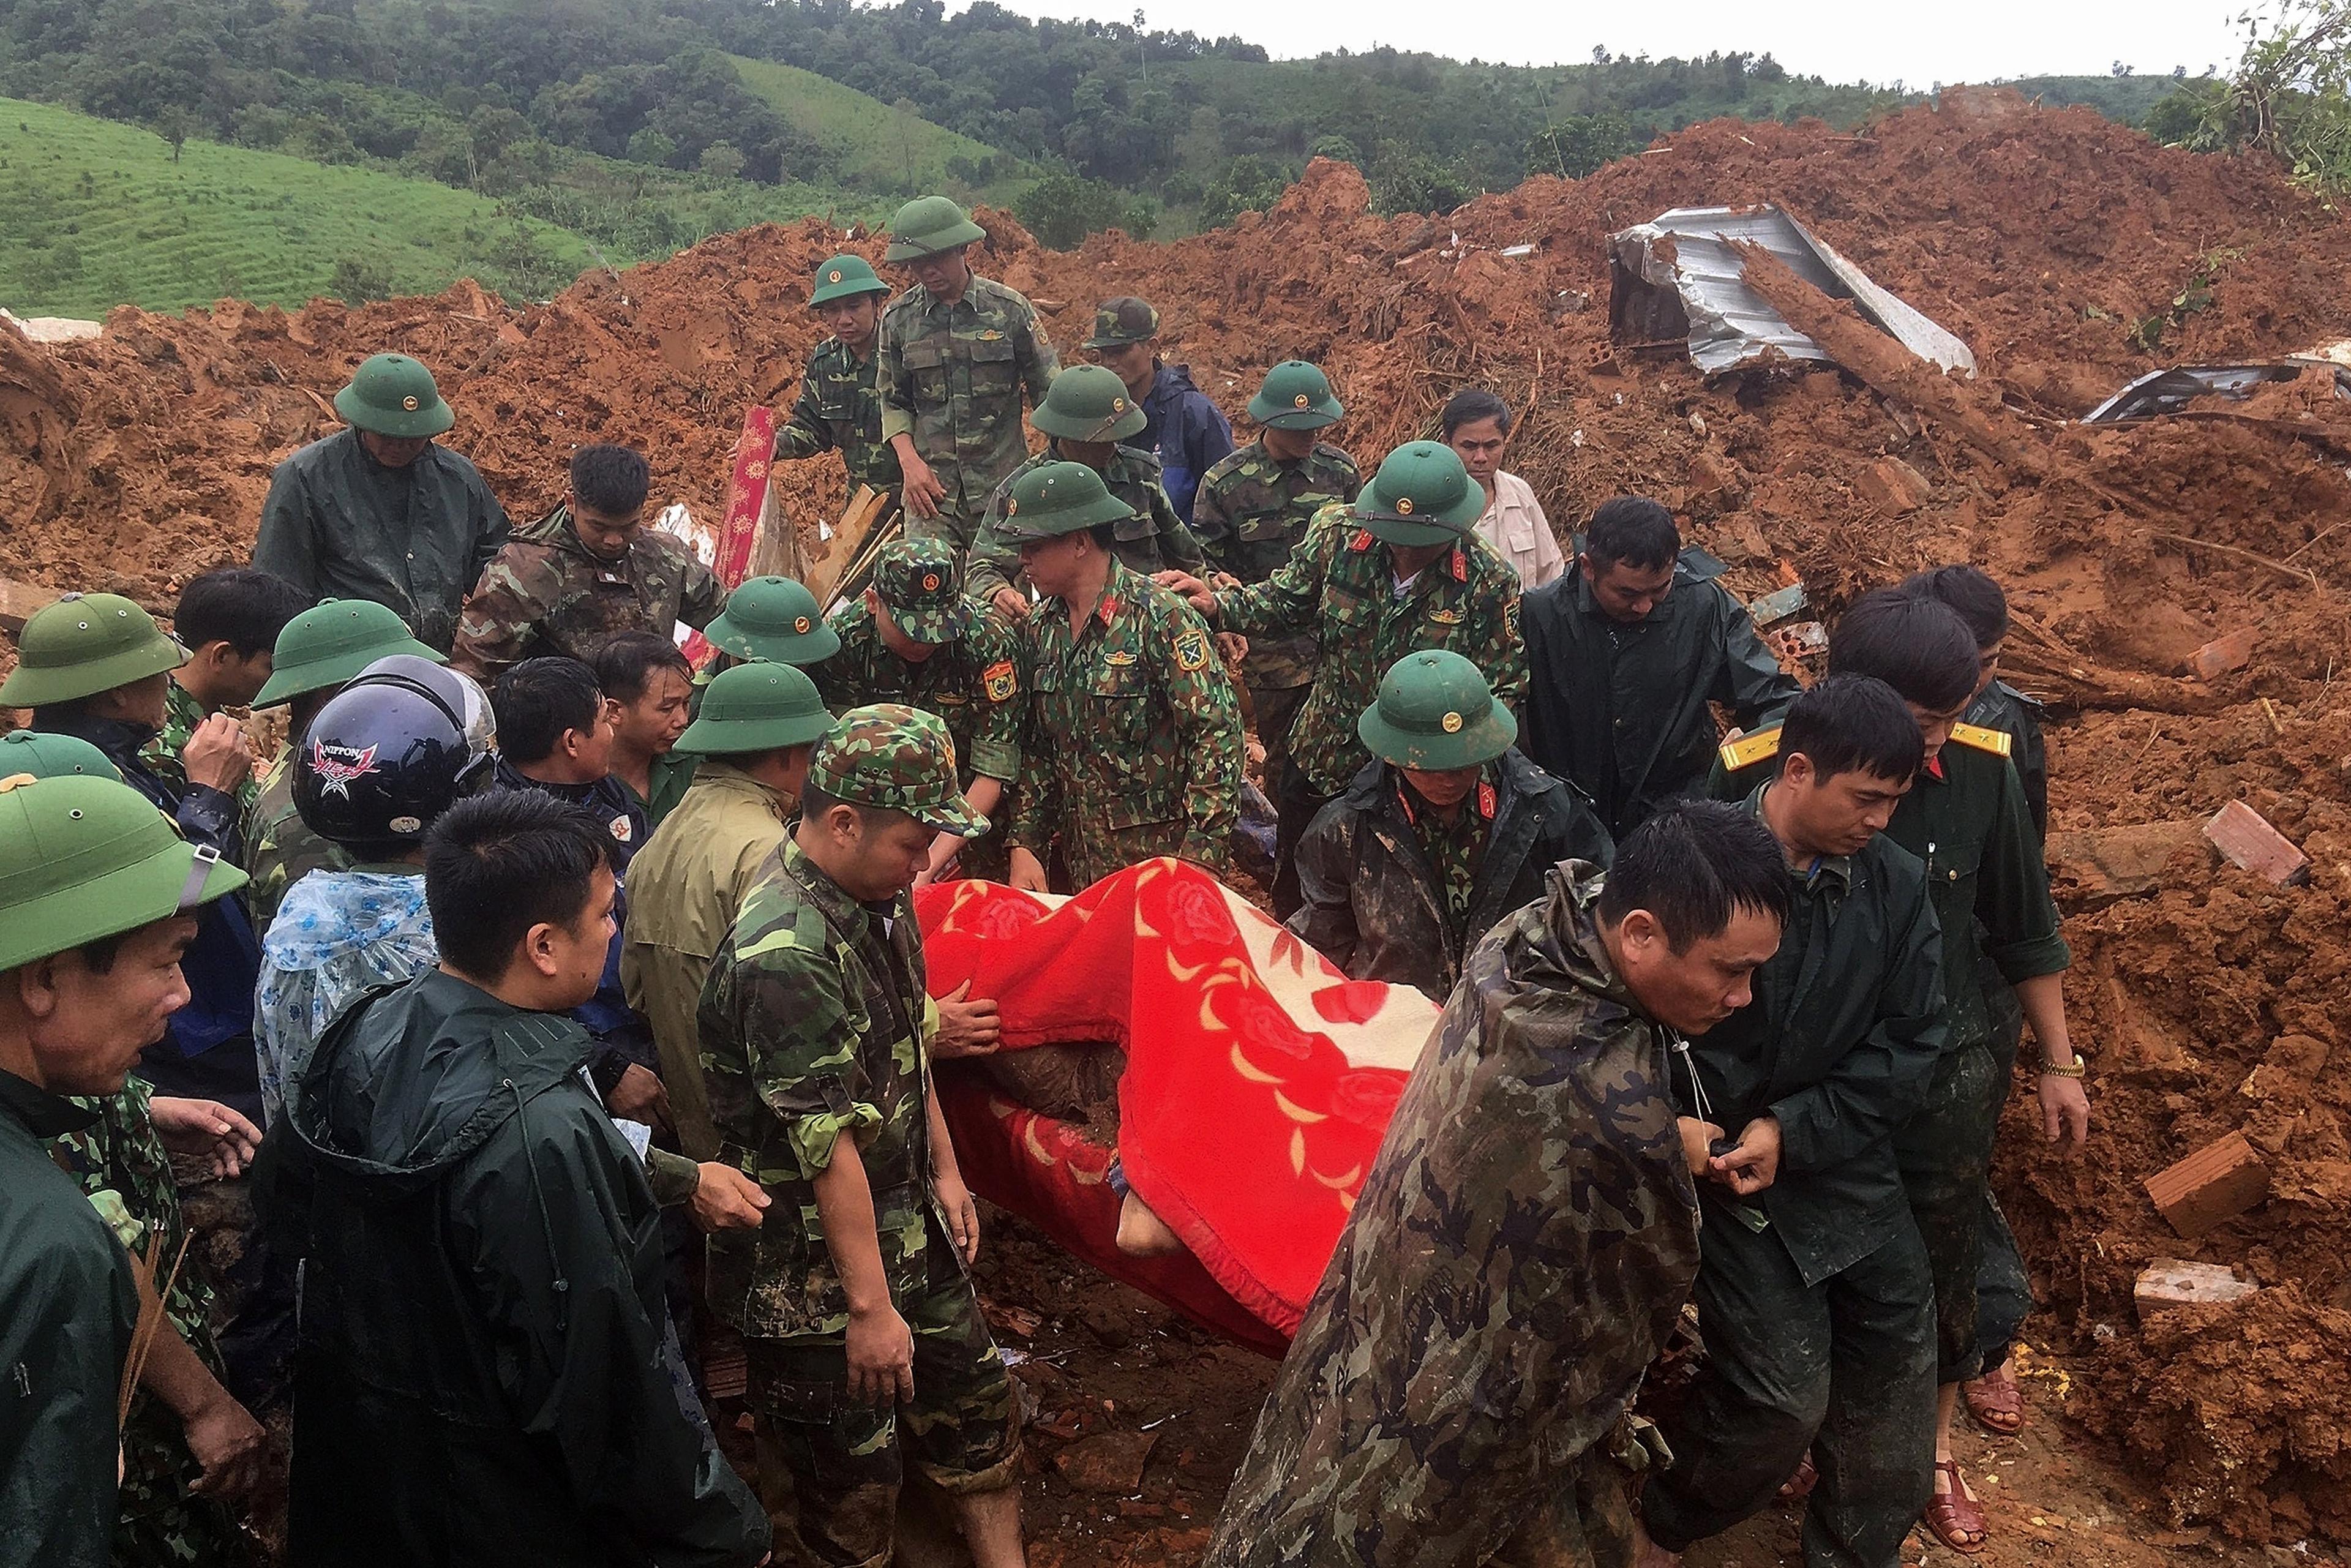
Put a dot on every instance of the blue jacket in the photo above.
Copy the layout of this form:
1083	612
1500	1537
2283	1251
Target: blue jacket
224	960
1187	433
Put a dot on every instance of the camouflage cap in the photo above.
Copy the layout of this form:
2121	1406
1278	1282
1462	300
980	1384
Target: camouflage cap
773	619
897	756
83	858
920	587
329	644
1123	320
46	756
83	644
1436	713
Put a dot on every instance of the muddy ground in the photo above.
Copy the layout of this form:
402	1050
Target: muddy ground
2069	252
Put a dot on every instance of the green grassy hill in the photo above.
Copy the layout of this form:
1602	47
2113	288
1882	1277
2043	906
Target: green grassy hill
100	214
882	149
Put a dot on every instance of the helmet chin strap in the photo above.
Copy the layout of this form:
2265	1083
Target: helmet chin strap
199	871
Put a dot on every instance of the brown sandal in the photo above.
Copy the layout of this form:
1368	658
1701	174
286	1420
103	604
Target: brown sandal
1799	1487
1996	1401
1949	1513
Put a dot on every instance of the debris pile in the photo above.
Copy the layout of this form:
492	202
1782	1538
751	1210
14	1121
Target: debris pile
2070	255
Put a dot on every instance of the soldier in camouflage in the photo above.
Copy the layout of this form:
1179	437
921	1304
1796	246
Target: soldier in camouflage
1250	513
316	653
586	572
1397	570
865	1343
229	620
958	351
839	405
1085	418
1134	744
1459	1392
914	638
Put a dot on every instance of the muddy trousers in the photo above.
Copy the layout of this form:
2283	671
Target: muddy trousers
1844	1368
1945	1155
2003	1289
1294	808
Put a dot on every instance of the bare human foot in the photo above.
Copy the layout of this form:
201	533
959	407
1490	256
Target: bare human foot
1142	1234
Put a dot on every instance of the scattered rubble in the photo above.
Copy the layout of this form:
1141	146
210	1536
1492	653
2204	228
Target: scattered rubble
2210	1187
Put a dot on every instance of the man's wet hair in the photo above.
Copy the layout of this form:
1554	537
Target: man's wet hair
536	701
624	664
1917	645
1471	405
611	479
1980	601
1632	530
239	605
1853	724
1693	865
498	865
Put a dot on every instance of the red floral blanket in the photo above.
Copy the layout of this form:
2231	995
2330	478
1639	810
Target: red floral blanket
1258	1082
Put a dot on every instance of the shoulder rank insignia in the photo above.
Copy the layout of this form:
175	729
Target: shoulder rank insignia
1192	650
1999	742
999	681
1750	749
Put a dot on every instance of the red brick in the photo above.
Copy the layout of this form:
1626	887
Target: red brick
2210	1187
2222	654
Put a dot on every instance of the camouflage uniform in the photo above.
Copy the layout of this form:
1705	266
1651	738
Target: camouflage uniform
1459	1392
952	375
1154	540
973	683
840	408
1134	745
181	715
544	594
161	1522
1341	582
812	1024
1251	511
280	848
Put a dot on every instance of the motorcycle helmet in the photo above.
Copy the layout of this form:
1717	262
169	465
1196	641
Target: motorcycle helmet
403	742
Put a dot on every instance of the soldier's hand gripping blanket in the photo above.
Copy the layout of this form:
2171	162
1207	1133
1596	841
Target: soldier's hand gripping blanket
1258	1082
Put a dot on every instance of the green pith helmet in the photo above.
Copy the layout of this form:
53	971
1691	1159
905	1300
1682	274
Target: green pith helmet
83	644
775	620
928	225
1295	396
1436	713
1421	496
86	857
919	584
1059	498
46	756
392	395
889	755
1123	320
755	708
330	643
1088	402
842	277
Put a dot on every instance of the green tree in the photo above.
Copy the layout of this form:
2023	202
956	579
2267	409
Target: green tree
360	279
721	160
1250	183
1063	208
650	146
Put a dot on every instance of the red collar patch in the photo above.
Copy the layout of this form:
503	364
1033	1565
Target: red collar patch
1486	800
1460	566
1361	541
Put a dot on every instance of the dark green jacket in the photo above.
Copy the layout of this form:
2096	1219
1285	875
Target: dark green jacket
2004	708
338	523
1371	902
1840	1044
1622	709
482	1376
1966	819
67	1309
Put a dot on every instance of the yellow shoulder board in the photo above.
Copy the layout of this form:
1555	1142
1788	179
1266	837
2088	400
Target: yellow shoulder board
1999	742
1748	749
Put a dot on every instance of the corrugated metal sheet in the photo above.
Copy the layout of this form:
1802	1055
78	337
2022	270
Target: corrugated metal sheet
1687	255
2169	392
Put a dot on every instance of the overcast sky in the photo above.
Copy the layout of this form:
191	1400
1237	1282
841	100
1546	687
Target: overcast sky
1969	40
